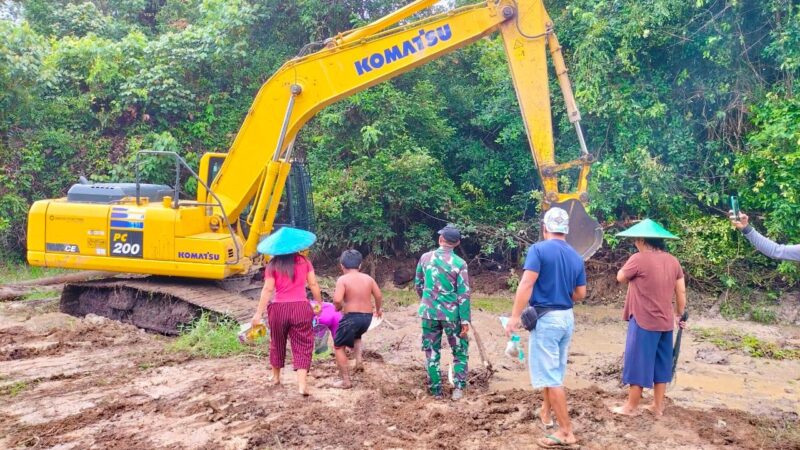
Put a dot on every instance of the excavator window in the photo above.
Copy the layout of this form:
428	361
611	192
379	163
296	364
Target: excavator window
214	164
297	206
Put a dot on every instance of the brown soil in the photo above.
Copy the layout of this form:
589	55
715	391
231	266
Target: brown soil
94	383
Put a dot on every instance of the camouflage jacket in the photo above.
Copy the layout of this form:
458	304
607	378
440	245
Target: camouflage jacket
442	284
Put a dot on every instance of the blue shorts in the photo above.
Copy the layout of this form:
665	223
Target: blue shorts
648	356
548	348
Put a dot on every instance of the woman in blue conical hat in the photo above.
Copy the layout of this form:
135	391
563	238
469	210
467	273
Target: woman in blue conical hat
289	313
654	277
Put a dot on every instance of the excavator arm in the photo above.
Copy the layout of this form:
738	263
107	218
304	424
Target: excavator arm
257	164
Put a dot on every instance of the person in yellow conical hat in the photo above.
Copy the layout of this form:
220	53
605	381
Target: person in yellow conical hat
654	278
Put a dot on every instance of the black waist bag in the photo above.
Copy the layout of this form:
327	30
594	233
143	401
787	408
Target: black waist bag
531	314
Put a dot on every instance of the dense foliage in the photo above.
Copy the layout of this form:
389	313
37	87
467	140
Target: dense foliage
685	102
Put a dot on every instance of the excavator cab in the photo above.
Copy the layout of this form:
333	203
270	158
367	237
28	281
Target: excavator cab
296	207
210	163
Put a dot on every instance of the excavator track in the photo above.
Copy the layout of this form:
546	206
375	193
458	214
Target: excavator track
152	303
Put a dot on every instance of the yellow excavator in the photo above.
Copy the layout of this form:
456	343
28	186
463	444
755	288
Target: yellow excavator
178	245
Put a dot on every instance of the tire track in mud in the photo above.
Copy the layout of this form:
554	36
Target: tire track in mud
53	432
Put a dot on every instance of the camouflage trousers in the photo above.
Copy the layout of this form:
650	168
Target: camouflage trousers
432	346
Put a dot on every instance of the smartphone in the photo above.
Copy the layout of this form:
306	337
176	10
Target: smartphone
735	207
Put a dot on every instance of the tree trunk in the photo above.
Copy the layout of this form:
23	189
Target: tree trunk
75	277
373	261
8	293
14	291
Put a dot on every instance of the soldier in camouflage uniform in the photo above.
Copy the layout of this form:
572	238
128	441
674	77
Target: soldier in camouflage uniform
442	284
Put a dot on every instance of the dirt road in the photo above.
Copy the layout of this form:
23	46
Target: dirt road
91	383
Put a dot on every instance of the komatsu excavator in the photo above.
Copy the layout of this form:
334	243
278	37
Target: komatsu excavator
177	246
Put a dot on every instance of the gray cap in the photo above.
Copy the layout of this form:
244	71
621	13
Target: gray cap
556	220
450	233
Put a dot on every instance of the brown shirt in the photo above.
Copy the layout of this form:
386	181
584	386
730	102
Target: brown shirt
651	285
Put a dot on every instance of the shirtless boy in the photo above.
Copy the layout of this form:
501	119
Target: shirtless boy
353	296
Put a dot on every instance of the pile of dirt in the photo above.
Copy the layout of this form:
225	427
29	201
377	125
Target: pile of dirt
609	370
371	355
710	355
479	379
397	416
603	288
94	331
488	279
788	308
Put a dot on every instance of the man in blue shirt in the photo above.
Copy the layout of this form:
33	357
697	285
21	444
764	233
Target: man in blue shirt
554	277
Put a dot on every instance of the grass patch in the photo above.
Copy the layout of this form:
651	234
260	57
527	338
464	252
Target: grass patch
492	304
762	314
146	365
210	338
324	356
780	434
399	298
13	389
42	295
326	284
12	273
751	305
747	343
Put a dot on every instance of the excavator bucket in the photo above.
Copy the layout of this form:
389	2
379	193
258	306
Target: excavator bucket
585	233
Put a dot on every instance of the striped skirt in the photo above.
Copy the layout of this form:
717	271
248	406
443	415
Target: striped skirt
292	321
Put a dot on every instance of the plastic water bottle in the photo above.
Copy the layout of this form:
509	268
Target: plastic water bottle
513	346
520	353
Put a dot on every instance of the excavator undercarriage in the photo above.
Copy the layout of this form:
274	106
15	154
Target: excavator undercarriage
157	304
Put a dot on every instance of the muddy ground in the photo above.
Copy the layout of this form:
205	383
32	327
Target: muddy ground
91	383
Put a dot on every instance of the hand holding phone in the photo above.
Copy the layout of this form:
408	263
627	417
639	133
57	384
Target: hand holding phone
739	220
735	208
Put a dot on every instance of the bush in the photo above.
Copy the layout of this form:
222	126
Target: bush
209	337
768	173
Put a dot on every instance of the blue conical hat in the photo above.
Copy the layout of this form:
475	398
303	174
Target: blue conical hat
647	229
286	241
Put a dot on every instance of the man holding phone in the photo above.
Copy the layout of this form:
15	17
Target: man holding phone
763	244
